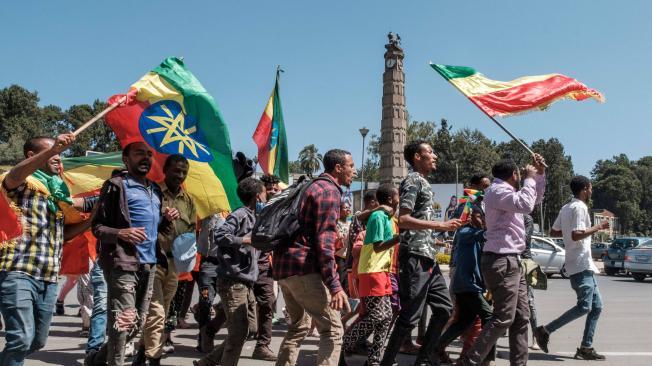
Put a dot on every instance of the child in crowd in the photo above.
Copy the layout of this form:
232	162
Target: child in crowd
468	284
237	271
374	284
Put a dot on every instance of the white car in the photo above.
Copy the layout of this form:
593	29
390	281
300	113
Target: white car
549	256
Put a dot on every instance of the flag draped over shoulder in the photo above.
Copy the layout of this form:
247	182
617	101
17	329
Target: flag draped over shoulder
507	98
10	227
84	177
270	138
174	114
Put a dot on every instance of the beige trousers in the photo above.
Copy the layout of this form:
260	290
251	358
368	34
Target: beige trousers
307	297
165	286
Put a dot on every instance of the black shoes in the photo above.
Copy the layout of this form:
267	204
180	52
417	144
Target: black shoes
588	354
59	308
543	337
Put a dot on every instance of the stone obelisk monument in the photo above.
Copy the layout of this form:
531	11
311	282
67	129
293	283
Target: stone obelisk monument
393	126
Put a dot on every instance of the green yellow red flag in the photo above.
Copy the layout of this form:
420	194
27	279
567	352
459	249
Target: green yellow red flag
170	110
507	98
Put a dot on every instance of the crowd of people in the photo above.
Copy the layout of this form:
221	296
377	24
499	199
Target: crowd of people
373	274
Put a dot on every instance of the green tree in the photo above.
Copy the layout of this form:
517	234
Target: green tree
473	152
558	176
98	137
295	167
310	159
617	189
21	118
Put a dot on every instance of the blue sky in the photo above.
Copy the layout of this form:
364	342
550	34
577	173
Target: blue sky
75	51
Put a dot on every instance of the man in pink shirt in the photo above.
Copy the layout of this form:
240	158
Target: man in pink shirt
505	206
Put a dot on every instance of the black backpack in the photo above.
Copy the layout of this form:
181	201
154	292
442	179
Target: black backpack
278	222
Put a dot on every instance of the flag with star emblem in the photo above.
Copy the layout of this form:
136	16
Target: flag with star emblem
270	137
170	110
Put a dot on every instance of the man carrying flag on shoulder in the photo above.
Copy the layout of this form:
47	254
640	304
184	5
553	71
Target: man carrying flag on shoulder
29	263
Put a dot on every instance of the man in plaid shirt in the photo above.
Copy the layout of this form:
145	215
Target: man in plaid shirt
306	271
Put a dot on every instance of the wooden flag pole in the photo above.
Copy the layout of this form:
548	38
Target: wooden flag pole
497	123
100	115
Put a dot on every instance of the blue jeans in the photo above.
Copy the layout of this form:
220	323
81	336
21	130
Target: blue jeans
26	305
98	317
589	302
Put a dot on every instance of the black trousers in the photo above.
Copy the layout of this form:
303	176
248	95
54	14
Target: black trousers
265	300
421	283
471	305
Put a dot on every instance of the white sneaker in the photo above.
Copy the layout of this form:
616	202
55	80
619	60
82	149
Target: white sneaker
534	345
130	350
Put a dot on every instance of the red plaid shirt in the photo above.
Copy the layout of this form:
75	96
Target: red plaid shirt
314	251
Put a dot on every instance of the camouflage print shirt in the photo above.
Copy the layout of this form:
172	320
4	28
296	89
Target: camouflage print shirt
416	195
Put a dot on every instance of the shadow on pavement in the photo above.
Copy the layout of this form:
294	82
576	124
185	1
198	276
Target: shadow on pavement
61	357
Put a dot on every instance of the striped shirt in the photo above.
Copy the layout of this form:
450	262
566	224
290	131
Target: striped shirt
38	251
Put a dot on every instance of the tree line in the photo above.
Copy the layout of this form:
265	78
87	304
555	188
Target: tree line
621	185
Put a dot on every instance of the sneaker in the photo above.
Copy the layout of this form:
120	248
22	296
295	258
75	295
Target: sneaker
89	359
542	337
130	349
588	354
182	324
263	353
203	362
535	345
59	308
168	347
409	348
445	358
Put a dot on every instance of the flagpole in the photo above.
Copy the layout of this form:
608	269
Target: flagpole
100	115
496	122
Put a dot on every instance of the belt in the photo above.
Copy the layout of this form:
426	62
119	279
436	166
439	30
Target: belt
492	254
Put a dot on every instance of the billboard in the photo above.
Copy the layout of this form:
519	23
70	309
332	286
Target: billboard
445	199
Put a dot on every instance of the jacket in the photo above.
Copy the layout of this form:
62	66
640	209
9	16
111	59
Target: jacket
113	215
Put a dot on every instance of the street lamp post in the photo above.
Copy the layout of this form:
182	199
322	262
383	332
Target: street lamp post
363	131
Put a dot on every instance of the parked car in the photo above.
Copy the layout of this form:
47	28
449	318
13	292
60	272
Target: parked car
549	256
638	261
615	254
559	242
598	250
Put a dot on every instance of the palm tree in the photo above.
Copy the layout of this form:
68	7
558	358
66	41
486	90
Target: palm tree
310	159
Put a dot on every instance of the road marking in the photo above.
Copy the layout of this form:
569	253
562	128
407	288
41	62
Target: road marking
615	354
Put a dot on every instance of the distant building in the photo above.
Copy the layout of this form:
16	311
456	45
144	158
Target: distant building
600	215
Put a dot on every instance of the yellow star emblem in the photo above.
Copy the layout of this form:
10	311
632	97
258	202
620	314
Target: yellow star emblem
175	130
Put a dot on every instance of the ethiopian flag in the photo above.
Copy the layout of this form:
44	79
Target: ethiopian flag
507	98
174	114
270	137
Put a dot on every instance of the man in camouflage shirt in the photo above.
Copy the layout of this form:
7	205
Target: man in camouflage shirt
420	279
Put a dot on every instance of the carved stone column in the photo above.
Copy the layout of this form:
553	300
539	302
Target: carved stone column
393	126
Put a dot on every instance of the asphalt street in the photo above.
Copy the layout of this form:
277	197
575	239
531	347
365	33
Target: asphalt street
623	333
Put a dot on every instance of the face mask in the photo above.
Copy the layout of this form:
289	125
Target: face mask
259	206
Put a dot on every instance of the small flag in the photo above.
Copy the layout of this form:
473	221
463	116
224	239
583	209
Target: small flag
508	98
469	197
270	137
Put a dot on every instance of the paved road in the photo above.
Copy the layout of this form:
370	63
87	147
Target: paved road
623	332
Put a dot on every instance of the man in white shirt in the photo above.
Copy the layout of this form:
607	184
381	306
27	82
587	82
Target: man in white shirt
574	224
